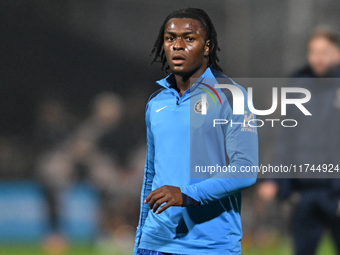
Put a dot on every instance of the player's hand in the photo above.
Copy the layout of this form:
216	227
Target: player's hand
170	195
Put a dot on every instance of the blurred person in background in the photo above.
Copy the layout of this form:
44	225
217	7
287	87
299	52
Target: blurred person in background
80	157
316	202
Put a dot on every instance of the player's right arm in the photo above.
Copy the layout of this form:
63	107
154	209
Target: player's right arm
149	173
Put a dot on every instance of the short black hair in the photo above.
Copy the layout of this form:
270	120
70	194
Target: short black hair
207	25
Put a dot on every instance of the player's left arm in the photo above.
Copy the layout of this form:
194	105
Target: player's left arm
242	151
241	145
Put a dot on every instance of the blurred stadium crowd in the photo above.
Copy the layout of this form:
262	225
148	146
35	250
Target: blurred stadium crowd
60	150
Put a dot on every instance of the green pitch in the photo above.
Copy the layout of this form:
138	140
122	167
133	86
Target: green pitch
282	248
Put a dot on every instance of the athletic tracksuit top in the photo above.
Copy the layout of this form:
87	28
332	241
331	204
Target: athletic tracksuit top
182	144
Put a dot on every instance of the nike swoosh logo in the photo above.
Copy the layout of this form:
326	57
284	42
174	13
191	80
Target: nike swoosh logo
161	108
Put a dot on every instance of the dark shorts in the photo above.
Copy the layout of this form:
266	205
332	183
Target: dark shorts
148	252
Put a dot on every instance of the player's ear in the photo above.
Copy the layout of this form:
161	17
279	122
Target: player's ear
207	48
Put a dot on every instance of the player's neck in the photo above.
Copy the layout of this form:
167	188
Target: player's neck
183	81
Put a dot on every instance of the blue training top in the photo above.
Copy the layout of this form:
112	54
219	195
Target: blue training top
186	150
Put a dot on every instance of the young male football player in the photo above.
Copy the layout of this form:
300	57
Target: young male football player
182	214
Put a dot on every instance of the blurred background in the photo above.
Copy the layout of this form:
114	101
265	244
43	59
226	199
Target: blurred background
75	78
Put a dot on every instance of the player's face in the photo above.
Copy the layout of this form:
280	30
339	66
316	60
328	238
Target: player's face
185	46
322	55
